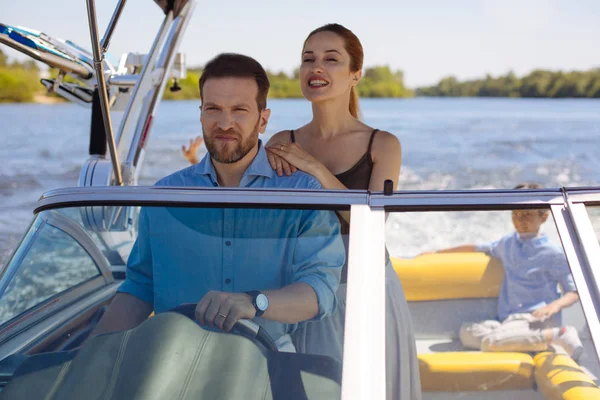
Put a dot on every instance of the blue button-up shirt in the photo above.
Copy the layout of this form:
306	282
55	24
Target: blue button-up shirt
182	253
533	268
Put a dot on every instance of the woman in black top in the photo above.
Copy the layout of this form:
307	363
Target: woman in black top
344	153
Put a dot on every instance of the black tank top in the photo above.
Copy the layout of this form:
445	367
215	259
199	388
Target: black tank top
356	178
359	176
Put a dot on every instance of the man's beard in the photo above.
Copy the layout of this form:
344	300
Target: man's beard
223	153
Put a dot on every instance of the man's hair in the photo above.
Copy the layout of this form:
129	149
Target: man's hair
528	185
231	65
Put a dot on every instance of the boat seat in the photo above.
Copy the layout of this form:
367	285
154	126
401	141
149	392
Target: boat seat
559	377
475	371
435	284
169	356
449	276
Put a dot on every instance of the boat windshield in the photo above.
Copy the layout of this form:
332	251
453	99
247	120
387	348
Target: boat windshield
479	303
594	213
279	268
494	304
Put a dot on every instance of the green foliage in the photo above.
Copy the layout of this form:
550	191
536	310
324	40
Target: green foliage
380	81
3	59
18	82
376	82
189	88
17	85
284	86
539	83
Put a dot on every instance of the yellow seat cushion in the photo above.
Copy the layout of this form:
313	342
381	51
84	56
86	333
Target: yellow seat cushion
559	377
475	371
449	276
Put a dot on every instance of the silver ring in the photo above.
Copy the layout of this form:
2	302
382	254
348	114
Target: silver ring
221	315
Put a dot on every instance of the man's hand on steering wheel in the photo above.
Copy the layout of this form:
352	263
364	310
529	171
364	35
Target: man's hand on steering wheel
223	309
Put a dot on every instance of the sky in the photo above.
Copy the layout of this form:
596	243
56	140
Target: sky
427	39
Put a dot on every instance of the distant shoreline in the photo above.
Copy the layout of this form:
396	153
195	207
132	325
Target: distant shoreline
39	98
45	99
52	100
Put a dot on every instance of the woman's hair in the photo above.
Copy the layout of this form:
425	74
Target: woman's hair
354	49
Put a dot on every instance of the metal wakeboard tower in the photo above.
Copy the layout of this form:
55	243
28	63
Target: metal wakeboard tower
131	94
140	82
123	96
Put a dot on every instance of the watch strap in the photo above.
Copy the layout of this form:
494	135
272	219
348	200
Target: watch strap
254	294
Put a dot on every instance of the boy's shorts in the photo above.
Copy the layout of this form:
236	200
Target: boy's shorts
519	332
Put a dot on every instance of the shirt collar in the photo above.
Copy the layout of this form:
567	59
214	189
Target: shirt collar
260	166
540	238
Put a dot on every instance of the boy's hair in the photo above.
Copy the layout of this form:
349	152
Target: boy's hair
231	65
531	185
528	185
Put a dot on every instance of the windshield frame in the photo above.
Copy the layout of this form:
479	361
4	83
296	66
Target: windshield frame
568	207
364	366
207	197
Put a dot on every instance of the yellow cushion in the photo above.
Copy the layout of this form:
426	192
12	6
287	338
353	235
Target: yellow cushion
449	276
559	377
474	371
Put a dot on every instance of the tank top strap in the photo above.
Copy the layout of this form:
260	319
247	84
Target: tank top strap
292	136
371	140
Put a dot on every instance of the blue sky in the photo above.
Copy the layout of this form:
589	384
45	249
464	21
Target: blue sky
427	39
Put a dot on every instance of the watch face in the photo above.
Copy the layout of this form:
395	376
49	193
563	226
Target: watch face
262	302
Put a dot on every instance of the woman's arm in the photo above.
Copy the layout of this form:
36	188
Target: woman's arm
280	165
287	157
386	154
295	155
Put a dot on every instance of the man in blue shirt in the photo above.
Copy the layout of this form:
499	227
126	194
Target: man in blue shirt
280	265
530	303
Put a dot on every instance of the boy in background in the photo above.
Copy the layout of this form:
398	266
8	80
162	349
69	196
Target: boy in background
530	303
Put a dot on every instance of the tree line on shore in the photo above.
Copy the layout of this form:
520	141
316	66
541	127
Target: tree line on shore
539	83
19	82
379	81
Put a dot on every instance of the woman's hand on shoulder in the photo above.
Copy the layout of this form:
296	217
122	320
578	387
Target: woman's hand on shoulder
278	163
296	157
386	153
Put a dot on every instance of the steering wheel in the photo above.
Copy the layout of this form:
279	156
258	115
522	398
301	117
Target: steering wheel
244	327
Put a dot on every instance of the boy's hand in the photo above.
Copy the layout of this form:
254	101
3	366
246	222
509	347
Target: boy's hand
190	153
546	311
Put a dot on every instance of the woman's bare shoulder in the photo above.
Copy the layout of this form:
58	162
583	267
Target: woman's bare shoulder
385	137
386	143
281	136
